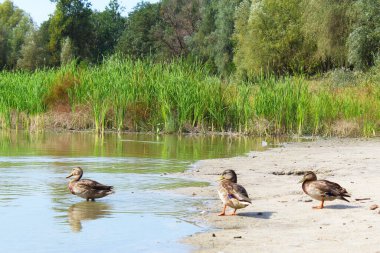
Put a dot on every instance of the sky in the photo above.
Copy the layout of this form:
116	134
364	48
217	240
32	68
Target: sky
40	10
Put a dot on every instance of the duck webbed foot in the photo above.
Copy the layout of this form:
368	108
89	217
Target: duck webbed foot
223	211
234	213
319	207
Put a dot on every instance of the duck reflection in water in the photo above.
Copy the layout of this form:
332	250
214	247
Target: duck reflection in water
84	211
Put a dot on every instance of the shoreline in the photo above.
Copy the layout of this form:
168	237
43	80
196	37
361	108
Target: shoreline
281	218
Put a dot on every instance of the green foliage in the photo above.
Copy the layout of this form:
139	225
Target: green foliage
224	23
286	102
212	42
67	52
232	38
272	41
15	25
342	77
326	25
243	45
35	52
22	93
137	40
291	36
201	43
160	30
108	27
71	19
124	94
163	79
364	40
179	19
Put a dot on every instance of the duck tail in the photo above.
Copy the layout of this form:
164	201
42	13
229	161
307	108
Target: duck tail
343	194
110	191
247	201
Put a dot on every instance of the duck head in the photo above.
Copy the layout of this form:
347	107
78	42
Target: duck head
229	175
77	173
308	176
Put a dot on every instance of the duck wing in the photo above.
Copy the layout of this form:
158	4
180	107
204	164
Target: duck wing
240	193
331	189
92	185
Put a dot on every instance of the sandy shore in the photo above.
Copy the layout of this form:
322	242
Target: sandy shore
281	218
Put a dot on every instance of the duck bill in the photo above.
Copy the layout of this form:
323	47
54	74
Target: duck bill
220	178
69	176
301	181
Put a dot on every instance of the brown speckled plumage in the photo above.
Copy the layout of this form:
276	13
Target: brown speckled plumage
231	193
322	190
87	188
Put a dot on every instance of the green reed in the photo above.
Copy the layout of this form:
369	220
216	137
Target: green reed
178	96
22	93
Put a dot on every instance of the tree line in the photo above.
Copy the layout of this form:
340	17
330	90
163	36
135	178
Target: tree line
247	38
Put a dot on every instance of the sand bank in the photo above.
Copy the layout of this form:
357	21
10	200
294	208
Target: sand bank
281	218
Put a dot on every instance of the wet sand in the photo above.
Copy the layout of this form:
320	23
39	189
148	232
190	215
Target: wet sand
281	218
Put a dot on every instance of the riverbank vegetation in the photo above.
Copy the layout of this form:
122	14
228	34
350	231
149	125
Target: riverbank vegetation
194	66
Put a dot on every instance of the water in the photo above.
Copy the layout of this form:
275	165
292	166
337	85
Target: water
39	214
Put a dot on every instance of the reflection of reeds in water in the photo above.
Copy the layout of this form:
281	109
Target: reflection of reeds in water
86	211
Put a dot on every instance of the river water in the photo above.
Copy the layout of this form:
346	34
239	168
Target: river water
39	214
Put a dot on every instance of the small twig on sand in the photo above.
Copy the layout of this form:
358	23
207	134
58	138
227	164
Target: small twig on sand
362	199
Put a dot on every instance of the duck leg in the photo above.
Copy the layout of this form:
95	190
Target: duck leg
223	212
319	207
234	213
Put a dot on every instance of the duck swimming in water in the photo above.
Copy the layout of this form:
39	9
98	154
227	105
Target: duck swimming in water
87	188
322	190
231	193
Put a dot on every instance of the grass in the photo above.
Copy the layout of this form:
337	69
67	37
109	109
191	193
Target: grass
21	96
126	95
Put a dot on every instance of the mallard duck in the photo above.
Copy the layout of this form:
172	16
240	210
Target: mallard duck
231	193
87	188
322	190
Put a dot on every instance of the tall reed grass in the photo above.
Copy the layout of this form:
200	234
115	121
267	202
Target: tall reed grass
141	95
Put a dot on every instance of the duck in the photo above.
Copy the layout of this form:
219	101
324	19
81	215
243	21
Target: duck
87	188
322	190
231	193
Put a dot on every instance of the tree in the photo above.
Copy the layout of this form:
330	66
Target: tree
137	40
271	39
179	19
15	25
327	24
109	25
71	19
202	42
224	47
212	42
67	52
243	46
364	40
34	52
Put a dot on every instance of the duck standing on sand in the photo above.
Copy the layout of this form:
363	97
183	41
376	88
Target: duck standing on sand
322	190
231	193
87	188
